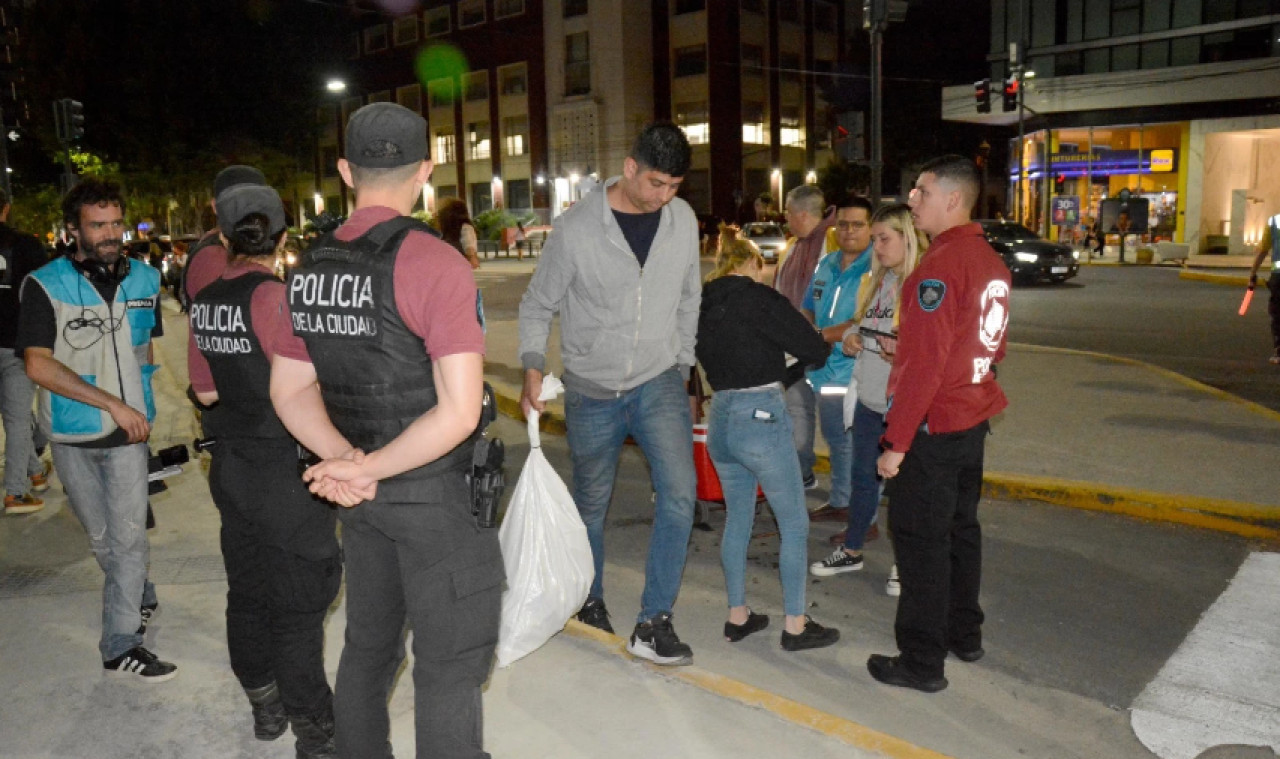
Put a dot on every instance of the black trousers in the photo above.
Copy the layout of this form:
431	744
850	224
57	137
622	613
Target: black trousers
283	570
426	564
1273	309
933	515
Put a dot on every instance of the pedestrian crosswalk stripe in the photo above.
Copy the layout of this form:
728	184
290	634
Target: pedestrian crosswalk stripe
1222	685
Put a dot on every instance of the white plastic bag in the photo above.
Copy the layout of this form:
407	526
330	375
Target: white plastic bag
545	550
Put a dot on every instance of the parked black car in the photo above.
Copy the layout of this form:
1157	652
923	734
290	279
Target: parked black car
1030	258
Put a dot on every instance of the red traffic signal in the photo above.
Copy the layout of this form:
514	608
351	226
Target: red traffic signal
1011	85
982	95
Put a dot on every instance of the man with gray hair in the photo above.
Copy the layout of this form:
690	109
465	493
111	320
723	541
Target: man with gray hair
805	218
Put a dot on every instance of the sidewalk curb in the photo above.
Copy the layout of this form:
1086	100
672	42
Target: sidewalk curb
1217	279
1247	520
838	728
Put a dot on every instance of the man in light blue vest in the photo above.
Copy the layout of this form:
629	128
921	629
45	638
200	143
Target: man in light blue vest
830	302
85	332
1270	246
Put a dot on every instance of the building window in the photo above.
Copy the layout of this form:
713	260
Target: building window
375	38
575	8
518	195
825	17
508	8
405	30
790	132
410	96
436	21
481	197
446	191
1126	17
515	133
514	79
577	64
477	140
446	147
753	6
752	60
690	6
477	86
440	93
754	129
470	13
381	96
692	118
789	10
691	61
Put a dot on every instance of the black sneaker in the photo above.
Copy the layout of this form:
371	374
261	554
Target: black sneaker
593	613
811	482
890	671
838	562
140	663
656	640
814	635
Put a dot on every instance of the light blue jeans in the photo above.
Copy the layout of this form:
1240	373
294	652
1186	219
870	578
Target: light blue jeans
16	395
107	490
800	407
656	415
839	442
749	432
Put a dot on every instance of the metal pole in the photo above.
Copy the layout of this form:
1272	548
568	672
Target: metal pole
4	158
1022	145
877	163
342	185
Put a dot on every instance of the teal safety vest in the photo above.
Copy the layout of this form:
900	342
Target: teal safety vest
105	344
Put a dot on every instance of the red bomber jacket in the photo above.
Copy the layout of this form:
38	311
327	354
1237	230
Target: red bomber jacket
955	311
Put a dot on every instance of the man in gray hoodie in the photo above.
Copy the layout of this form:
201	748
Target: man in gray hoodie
621	269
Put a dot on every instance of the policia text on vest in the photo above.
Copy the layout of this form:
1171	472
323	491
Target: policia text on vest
347	299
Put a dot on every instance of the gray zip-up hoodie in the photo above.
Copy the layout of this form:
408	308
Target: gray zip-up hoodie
620	326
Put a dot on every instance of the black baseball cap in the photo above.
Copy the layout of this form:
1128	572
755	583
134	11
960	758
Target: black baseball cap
234	175
241	200
386	135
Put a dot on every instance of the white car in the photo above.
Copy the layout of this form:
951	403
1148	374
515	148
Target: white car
768	237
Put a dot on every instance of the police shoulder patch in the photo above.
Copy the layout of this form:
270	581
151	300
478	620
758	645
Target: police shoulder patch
930	294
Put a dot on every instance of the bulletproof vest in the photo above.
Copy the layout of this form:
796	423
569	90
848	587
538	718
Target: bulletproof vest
222	325
375	375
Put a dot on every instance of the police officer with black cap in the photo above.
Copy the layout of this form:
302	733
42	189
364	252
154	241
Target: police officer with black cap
391	318
278	542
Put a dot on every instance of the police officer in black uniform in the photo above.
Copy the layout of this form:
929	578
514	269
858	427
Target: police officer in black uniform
390	317
278	542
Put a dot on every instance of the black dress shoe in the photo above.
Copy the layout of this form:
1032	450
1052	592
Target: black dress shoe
889	670
972	655
755	623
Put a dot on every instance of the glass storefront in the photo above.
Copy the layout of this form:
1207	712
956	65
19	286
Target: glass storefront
1068	173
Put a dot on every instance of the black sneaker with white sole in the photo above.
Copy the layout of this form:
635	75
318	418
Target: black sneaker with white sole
838	562
656	640
593	613
140	664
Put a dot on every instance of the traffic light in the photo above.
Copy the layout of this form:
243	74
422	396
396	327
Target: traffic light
879	13
1011	85
982	95
68	119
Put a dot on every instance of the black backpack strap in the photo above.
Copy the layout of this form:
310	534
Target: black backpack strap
389	230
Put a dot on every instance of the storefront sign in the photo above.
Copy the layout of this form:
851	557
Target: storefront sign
1106	162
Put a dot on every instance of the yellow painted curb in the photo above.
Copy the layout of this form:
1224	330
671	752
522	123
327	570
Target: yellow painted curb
839	728
1247	520
1217	279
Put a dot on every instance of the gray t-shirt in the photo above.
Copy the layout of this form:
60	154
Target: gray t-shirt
871	370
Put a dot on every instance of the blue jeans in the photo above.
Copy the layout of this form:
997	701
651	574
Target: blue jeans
16	395
839	442
107	490
868	426
656	415
800	407
744	447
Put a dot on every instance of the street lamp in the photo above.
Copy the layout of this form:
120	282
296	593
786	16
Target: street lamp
338	87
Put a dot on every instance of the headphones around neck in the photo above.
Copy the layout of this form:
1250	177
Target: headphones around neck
101	273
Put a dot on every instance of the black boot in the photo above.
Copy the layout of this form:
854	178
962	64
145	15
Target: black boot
269	719
315	732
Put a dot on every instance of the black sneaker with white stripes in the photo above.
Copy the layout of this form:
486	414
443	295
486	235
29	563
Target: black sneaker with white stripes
141	664
838	562
656	640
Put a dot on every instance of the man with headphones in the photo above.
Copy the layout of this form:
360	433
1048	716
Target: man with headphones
85	333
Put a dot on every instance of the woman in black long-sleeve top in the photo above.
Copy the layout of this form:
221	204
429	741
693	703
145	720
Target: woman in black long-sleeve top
745	332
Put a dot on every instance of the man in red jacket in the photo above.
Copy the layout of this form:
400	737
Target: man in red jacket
942	391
